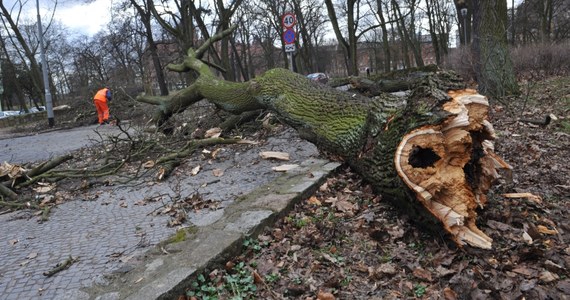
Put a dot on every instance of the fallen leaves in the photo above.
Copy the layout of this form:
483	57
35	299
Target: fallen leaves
179	208
195	170
218	172
213	132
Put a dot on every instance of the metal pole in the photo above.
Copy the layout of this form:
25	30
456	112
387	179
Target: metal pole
465	29
290	58
49	104
464	14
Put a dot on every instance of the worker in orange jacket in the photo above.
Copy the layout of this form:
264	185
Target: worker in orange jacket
100	99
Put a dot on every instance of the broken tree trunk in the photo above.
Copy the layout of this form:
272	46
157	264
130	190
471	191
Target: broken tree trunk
434	154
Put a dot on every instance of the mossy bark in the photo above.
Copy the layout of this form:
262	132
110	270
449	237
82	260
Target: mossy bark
364	133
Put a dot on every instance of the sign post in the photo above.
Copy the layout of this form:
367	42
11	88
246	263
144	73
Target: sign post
288	20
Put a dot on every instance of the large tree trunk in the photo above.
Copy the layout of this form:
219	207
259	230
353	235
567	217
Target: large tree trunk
494	68
434	154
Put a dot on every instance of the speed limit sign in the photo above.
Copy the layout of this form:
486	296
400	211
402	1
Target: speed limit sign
288	20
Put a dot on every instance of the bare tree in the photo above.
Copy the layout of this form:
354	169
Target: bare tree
354	17
439	20
25	49
144	12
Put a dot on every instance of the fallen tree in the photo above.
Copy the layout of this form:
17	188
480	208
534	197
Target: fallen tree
431	153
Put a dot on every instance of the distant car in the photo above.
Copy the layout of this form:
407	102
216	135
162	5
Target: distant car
35	109
9	113
318	77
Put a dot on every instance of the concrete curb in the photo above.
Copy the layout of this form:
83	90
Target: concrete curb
164	272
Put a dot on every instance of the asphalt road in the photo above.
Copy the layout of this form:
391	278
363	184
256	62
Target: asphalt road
46	145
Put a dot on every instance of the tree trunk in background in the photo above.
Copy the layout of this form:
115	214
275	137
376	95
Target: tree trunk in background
34	69
494	68
385	43
546	10
349	47
145	18
464	24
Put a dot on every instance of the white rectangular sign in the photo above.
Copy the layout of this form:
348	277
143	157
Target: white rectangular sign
290	48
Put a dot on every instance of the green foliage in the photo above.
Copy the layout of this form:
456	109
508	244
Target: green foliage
203	289
565	126
253	244
419	290
298	222
346	280
240	283
273	277
237	285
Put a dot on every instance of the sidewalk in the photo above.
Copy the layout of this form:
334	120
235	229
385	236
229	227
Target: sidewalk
114	231
52	143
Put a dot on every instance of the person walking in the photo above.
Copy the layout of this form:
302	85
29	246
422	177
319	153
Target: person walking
101	98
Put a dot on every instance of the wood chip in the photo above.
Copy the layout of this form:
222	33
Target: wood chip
195	171
274	155
213	132
284	168
543	229
529	196
149	164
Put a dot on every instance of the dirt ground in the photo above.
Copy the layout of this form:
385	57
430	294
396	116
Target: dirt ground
345	242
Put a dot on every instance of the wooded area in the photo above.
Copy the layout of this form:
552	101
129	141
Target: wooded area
131	52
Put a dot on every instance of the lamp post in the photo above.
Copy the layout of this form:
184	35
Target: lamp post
49	105
464	14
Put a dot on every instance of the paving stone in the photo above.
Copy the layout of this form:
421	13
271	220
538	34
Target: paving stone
93	232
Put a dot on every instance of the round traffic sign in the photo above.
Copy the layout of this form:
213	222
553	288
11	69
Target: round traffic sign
288	20
289	36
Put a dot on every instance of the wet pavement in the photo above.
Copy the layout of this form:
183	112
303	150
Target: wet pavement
108	229
52	143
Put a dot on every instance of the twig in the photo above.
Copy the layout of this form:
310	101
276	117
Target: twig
45	214
61	266
4	190
18	205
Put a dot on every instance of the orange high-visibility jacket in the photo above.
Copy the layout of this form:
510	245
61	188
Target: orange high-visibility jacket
102	95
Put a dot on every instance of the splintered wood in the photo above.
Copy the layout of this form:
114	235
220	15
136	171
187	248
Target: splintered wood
451	166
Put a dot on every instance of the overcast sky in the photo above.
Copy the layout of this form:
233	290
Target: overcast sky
87	17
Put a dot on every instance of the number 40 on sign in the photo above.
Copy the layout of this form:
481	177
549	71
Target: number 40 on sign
288	20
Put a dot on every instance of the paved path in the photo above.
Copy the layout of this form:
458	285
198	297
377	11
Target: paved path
46	145
109	226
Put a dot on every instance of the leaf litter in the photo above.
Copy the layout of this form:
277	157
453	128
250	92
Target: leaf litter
345	242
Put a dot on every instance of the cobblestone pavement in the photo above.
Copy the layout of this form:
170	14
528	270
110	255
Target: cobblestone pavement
46	145
113	227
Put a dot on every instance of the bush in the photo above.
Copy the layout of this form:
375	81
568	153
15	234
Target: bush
542	59
528	60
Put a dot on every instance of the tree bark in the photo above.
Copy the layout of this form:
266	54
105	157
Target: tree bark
494	68
432	156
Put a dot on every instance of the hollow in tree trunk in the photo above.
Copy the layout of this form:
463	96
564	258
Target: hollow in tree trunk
432	155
